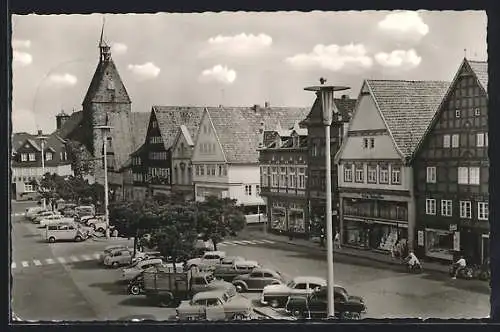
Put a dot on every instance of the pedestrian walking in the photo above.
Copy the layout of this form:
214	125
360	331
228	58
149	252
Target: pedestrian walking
336	241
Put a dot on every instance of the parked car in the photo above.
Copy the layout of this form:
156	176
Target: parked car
258	279
109	249
277	295
131	271
96	223
209	258
315	305
136	285
29	196
43	215
54	219
118	257
215	305
64	231
85	210
230	260
30	212
229	272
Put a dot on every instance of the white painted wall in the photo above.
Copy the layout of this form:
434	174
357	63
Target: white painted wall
240	176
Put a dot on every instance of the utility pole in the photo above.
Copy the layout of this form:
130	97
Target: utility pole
42	143
105	129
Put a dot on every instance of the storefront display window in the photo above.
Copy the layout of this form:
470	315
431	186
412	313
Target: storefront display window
296	220
278	218
439	244
356	234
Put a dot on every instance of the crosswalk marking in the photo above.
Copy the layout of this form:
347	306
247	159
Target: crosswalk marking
61	260
13	265
238	242
74	259
267	241
24	264
246	241
50	261
37	262
229	243
221	244
258	242
86	258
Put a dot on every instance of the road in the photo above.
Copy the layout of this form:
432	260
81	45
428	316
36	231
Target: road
63	281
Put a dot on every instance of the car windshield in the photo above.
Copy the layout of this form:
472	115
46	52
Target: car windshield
209	278
291	284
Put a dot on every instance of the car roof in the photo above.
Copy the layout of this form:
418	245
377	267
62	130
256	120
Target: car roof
246	263
220	253
309	279
265	269
237	258
208	295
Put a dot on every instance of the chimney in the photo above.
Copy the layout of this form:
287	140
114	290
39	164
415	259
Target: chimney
267	104
345	97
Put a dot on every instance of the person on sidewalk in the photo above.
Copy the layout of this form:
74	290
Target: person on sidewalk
459	265
336	241
413	261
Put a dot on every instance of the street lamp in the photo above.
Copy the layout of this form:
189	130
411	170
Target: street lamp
105	129
326	93
42	140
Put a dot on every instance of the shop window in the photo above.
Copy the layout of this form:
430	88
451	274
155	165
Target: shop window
430	206
482	211
359	173
465	209
455	140
372	174
446	141
384	174
395	175
347	173
446	208
431	174
439	244
480	140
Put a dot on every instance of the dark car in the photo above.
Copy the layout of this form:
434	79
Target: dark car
136	285
229	272
258	279
315	305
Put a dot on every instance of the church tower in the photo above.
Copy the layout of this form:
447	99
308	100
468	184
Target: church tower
107	103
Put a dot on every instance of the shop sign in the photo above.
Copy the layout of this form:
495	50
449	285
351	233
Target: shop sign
420	238
371	196
456	241
453	227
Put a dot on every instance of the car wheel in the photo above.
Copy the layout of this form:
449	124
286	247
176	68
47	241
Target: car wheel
240	288
100	229
115	264
78	238
297	313
238	317
52	239
135	290
274	303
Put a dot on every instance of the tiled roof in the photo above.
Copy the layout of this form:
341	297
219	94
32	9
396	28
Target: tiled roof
170	118
345	107
33	142
187	135
99	78
138	127
407	107
18	139
272	116
480	68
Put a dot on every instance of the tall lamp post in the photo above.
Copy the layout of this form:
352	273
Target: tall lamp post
105	129
42	140
326	93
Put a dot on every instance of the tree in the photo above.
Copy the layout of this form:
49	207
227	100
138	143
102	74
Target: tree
218	218
81	158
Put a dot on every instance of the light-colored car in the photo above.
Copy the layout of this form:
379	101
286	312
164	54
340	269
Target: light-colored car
55	219
209	258
42	215
64	231
30	212
109	249
133	270
119	257
230	260
229	272
215	305
97	223
258	279
277	295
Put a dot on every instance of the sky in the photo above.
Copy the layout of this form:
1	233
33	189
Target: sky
232	59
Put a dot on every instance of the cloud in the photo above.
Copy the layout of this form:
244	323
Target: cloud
218	73
399	59
404	24
119	48
332	57
62	80
145	71
21	59
19	43
23	120
237	45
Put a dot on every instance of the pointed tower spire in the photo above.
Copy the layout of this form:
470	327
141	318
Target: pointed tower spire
103	46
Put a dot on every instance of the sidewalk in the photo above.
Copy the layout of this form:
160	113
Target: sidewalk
344	251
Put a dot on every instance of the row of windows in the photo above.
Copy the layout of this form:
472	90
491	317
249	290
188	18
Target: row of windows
183	179
465	208
466	175
375	173
48	156
368	143
136	161
207	147
288	177
33	171
211	170
138	177
158	155
155	140
454	140
160	172
458	113
248	190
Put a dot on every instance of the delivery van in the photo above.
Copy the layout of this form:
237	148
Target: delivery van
65	231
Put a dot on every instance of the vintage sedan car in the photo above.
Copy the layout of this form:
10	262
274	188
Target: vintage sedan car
215	305
131	271
54	219
31	211
258	279
209	258
119	257
277	295
315	305
109	249
43	215
230	260
229	272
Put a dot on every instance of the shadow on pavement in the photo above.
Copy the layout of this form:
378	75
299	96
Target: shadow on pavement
113	288
478	286
138	301
87	265
32	235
